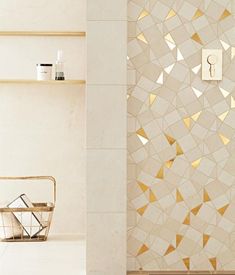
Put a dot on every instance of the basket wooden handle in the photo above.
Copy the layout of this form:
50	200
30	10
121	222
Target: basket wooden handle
52	179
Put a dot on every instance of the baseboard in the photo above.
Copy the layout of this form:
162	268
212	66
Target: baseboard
181	272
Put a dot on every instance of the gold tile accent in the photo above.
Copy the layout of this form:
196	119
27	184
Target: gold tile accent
196	116
179	197
142	38
196	209
142	210
196	163
143	14
197	14
152	98
205	239
206	197
232	102
224	92
143	249
178	239
160	79
232	52
160	174
213	262
143	187
169	38
169	163
152	197
142	133
187	219
170	249
223	116
187	122
179	150
223	209
187	262
224	139
197	38
170	14
170	139
225	14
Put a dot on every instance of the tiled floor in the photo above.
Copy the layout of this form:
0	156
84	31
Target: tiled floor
59	255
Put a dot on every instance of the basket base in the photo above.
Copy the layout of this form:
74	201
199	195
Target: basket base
26	239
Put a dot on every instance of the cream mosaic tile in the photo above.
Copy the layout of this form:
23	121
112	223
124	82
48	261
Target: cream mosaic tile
181	137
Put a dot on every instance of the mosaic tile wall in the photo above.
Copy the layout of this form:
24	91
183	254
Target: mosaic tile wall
181	137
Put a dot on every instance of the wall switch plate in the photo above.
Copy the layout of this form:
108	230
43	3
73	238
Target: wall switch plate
212	61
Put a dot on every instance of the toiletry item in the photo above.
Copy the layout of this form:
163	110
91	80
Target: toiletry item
59	67
31	222
44	71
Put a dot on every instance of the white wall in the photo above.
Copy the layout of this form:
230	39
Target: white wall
42	127
106	137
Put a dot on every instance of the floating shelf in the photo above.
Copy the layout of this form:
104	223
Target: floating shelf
41	33
34	81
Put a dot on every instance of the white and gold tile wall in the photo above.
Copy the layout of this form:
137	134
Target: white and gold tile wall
181	137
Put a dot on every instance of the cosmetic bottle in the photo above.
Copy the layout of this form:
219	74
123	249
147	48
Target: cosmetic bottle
44	71
59	66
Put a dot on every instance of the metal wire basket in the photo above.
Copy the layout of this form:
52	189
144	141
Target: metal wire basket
11	225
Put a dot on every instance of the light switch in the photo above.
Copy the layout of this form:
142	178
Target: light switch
212	62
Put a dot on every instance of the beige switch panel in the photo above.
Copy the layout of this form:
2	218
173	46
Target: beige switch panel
212	62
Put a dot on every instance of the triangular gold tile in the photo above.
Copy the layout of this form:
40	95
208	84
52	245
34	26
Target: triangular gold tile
224	139
143	14
205	239
142	210
169	38
178	239
169	163
152	197
160	174
195	117
223	209
142	133
169	250
179	150
232	52
187	262
206	197
225	14
213	263
170	14
170	139
142	38
223	116
197	38
152	98
142	249
196	209
187	122
143	186
196	163
187	219
197	14
232	102
179	197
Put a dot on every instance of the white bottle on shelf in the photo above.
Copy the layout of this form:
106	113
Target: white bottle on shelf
59	66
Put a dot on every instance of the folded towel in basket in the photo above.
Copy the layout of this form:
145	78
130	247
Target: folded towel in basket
9	226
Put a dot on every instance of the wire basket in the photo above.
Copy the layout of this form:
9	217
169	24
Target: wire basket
11	225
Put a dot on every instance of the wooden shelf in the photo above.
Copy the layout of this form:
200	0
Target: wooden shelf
41	33
34	81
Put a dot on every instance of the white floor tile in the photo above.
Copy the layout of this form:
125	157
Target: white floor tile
59	256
